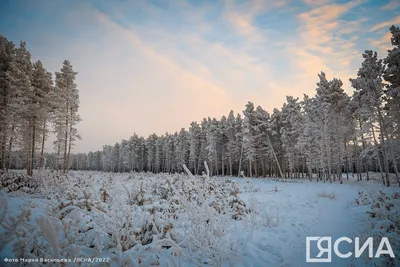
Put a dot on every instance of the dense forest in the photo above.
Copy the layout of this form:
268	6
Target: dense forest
319	136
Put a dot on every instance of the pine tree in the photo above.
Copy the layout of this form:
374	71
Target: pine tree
182	149
67	105
39	109
7	95
369	84
249	136
392	76
194	146
291	127
20	75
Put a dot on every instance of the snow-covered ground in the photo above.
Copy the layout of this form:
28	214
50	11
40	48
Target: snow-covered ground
142	219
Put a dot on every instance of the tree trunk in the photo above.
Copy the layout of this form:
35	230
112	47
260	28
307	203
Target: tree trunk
250	173
58	155
10	143
378	156
230	164
216	159
66	143
32	154
69	147
42	148
385	158
240	160
276	159
393	158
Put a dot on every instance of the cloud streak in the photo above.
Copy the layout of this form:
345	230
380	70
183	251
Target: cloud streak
386	24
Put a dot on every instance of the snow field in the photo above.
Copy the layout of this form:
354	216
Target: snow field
142	219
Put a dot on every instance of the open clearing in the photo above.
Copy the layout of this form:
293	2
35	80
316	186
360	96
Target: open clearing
142	219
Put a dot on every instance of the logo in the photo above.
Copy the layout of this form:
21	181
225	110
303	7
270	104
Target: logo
323	245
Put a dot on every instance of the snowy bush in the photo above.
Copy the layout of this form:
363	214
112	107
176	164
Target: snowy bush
270	215
141	220
383	220
291	181
18	181
324	194
363	198
9	224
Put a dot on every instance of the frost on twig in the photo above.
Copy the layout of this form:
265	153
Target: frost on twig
8	224
187	171
49	233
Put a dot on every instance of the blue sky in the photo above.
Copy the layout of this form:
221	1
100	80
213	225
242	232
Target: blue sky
155	66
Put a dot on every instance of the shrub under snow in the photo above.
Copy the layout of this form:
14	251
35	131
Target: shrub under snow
383	221
139	221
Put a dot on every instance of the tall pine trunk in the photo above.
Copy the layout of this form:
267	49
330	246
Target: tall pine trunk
276	158
385	158
66	141
230	163
393	158
363	161
10	144
32	152
240	160
42	148
378	156
69	147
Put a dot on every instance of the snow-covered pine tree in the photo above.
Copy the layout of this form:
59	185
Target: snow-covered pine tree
169	151
212	134
369	84
20	75
231	146
222	145
151	152
159	162
392	76
182	149
291	128
330	99
115	157
194	146
202	153
239	142
7	95
66	116
250	131
307	144
262	139
275	142
39	106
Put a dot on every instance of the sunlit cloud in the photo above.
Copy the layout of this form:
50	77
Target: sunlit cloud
386	24
323	44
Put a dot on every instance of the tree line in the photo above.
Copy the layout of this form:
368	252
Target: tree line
30	102
321	136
